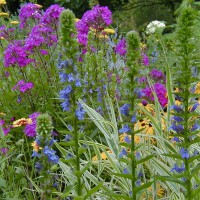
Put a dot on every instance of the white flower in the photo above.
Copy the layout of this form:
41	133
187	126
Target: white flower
151	27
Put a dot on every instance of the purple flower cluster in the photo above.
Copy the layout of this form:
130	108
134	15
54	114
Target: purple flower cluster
157	75
145	59
159	90
39	36
16	54
29	11
51	16
97	18
121	47
30	129
6	33
22	86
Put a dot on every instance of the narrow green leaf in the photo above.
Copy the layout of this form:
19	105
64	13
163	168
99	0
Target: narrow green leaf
142	187
140	161
129	176
93	190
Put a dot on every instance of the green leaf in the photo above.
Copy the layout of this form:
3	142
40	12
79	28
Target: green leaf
195	192
85	167
129	176
2	182
118	196
142	187
168	178
81	150
93	190
67	144
79	198
140	161
177	156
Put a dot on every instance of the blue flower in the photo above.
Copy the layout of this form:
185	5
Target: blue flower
50	153
138	182
63	77
123	153
176	139
140	174
125	171
64	94
195	127
137	155
177	119
127	139
177	108
65	105
68	137
80	112
178	169
69	155
38	166
77	83
177	127
194	107
125	129
70	77
53	158
184	153
125	109
133	119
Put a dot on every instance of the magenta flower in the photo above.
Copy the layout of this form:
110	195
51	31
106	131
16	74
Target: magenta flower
22	86
160	91
145	59
27	12
30	129
16	54
40	35
51	16
97	19
157	75
121	47
4	151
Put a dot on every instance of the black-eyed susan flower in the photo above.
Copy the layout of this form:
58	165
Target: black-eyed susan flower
109	31
14	22
21	122
4	14
35	146
2	2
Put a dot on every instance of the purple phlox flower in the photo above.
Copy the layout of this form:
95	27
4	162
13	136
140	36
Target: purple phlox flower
194	107
29	11
80	112
40	35
30	129
184	153
178	128
178	169
7	74
125	171
145	59
4	151
125	129
177	119
7	33
160	90
51	16
121	47
68	137
125	109
123	153
16	54
97	19
2	122
142	80
6	130
138	182
157	75
44	52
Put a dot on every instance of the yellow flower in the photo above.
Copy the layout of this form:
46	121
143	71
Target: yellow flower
35	146
76	19
148	107
109	31
2	38
2	2
3	14
14	22
38	5
103	36
197	89
21	122
103	156
122	138
1	113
